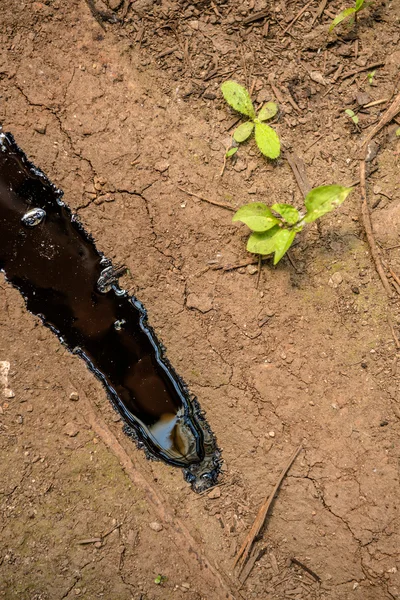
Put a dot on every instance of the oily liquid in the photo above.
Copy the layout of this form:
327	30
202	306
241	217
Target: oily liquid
48	256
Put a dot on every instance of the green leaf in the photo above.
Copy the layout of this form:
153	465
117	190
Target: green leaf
398	132
275	240
359	5
256	216
341	17
352	115
283	240
231	152
267	140
268	111
244	131
288	212
323	199
371	77
263	243
238	97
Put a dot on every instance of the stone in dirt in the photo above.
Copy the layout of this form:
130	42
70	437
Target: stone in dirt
200	302
335	280
155	526
71	430
214	494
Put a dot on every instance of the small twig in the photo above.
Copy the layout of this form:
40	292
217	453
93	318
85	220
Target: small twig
293	21
319	12
245	550
312	144
391	112
237	266
306	569
361	70
259	270
366	217
376	102
297	165
89	541
214	202
395	277
256	17
396	339
290	258
111	530
357	181
276	91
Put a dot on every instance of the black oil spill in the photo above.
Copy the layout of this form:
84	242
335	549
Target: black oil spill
48	256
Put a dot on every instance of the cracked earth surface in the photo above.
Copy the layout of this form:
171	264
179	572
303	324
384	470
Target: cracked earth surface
296	361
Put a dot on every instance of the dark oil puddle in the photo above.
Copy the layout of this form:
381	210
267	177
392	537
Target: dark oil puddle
48	256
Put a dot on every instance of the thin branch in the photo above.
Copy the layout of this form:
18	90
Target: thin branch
214	202
245	550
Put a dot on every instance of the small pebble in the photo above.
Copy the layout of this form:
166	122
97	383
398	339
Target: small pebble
71	430
335	280
161	166
8	393
214	494
201	302
155	526
271	434
74	396
252	269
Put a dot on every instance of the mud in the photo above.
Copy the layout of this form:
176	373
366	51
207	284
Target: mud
48	256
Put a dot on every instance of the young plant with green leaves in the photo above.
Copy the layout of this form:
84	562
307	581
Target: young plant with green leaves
350	113
348	12
275	233
266	138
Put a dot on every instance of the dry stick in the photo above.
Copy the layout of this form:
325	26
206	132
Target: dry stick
357	181
361	70
396	339
303	10
238	266
180	534
276	91
391	112
298	168
319	12
306	569
258	524
259	270
388	116
214	202
376	102
366	217
393	274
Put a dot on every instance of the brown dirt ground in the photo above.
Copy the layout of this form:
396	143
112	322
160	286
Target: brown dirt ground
120	119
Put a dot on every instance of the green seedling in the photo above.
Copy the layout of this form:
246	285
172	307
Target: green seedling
160	579
266	138
398	132
350	113
275	233
348	12
370	77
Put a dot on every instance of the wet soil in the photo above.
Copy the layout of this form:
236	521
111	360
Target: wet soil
123	120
